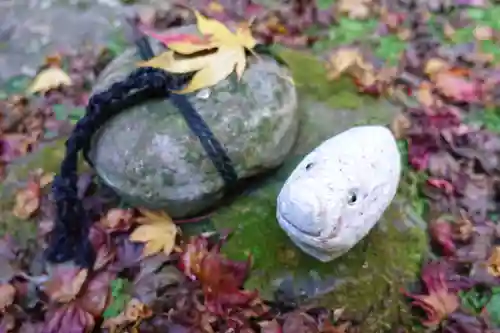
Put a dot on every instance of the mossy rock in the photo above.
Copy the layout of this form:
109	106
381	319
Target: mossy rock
150	156
367	280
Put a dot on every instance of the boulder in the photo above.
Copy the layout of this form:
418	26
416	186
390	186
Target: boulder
148	155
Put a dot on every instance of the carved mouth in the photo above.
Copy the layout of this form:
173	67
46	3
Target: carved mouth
297	228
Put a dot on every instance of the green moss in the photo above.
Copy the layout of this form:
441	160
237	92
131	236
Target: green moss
346	32
389	48
372	282
309	74
47	158
21	230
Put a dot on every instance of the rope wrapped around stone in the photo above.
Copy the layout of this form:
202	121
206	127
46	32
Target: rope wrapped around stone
69	237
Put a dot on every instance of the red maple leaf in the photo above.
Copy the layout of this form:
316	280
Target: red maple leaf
441	233
221	279
174	38
439	302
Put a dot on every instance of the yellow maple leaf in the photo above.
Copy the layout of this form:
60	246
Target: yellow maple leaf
211	68
342	61
49	78
157	231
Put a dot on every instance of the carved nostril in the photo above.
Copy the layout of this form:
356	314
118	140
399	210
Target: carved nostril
301	209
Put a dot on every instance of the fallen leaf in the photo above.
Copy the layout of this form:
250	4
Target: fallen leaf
449	31
463	228
221	279
54	60
134	312
494	262
157	231
270	326
354	9
229	54
341	61
182	43
482	32
435	65
117	219
27	201
439	302
7	294
95	295
399	125
127	254
68	318
103	248
424	95
65	283
441	234
50	78
7	323
298	321
455	87
149	280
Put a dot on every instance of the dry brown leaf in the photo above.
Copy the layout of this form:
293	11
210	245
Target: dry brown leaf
46	178
354	9
455	86
50	78
463	228
54	60
27	201
448	30
134	311
213	67
494	262
424	95
400	124
65	283
483	32
157	231
7	295
435	65
117	219
404	34
342	61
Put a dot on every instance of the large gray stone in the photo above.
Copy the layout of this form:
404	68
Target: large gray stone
151	158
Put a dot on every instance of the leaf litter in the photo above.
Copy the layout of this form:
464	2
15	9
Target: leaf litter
423	56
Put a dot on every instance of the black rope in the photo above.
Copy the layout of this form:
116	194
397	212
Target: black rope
69	238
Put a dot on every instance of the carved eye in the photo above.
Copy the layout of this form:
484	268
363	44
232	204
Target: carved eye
309	165
352	198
